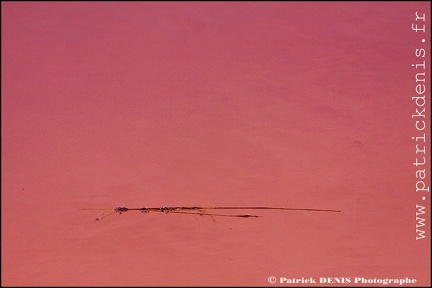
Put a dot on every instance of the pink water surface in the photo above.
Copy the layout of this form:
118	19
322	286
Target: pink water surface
211	104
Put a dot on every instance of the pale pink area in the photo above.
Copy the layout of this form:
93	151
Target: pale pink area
156	104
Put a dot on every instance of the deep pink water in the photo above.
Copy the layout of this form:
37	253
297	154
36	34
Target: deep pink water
157	104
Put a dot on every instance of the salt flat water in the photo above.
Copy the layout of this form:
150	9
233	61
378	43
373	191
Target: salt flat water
150	104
